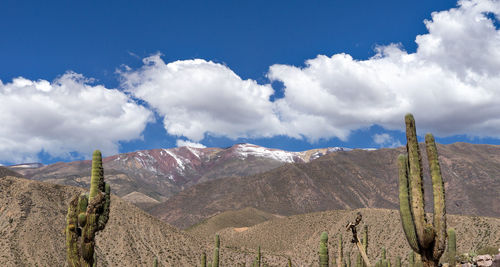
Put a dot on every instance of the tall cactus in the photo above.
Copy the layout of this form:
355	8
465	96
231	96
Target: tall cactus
425	239
155	262
289	262
87	214
452	247
323	250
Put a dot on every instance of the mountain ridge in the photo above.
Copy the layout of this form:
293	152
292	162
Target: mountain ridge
344	180
161	173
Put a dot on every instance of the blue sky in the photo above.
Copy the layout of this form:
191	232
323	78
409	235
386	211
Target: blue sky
130	75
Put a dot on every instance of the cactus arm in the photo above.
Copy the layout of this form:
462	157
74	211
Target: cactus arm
416	184
404	204
439	218
104	212
72	252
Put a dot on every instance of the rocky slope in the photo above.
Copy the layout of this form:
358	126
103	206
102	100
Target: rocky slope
344	180
150	176
298	236
32	219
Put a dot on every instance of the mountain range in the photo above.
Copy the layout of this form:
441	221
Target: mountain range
148	177
344	180
184	186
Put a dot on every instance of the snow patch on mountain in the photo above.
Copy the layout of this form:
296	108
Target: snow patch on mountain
193	151
180	163
146	160
245	150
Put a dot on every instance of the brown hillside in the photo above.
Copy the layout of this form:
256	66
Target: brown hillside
32	220
344	180
298	236
8	172
240	219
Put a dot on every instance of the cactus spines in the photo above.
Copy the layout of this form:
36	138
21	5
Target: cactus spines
204	260
452	247
87	214
425	239
323	250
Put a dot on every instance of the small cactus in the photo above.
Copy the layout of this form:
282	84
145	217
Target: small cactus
340	261
155	262
203	259
215	260
452	247
323	250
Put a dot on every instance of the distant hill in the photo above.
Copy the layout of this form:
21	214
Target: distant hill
344	180
8	172
240	219
149	176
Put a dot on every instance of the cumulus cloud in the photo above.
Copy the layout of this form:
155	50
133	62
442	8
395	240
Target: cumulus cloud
181	142
66	116
450	83
386	140
198	97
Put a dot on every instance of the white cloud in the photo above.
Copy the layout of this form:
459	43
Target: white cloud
386	140
198	97
188	143
450	83
65	116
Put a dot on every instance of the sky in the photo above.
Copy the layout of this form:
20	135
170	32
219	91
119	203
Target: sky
123	76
